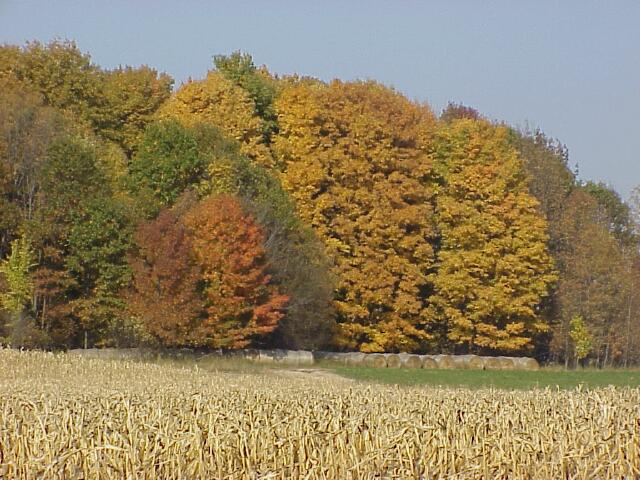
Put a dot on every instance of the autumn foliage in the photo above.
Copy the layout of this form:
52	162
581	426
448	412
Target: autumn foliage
201	277
166	294
353	158
243	306
493	265
247	209
219	102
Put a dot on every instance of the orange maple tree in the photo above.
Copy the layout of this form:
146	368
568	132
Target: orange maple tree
165	294
243	304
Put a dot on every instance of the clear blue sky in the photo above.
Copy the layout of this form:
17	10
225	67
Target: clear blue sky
569	67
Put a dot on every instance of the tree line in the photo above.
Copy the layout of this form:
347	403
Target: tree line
248	209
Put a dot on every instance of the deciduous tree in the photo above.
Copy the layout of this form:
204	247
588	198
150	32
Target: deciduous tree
492	268
263	89
613	212
15	273
582	338
16	276
166	294
592	280
98	242
170	159
550	178
243	305
27	129
217	101
60	72
352	157
295	255
131	97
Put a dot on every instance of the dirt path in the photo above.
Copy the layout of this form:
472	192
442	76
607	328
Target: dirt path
311	373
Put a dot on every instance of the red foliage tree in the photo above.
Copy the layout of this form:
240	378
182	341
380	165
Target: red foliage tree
243	305
165	296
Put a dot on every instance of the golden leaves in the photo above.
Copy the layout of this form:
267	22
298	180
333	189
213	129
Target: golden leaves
352	155
493	265
217	101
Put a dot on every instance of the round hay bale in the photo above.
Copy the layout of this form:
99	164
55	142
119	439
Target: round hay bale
280	355
428	362
271	356
375	360
393	360
410	361
479	363
265	356
354	358
526	363
444	361
298	357
491	363
458	362
321	356
339	357
506	363
471	362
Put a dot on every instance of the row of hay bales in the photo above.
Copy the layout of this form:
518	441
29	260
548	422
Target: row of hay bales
304	358
384	360
285	357
277	356
405	360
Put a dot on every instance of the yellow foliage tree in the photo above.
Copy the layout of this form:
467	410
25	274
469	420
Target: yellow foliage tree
219	102
352	155
131	98
493	267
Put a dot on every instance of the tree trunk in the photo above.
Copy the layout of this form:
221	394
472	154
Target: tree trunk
566	350
628	346
43	317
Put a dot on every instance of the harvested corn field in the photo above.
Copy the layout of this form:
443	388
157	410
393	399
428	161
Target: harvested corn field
64	417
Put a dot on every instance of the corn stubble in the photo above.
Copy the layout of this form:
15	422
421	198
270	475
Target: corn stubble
63	417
